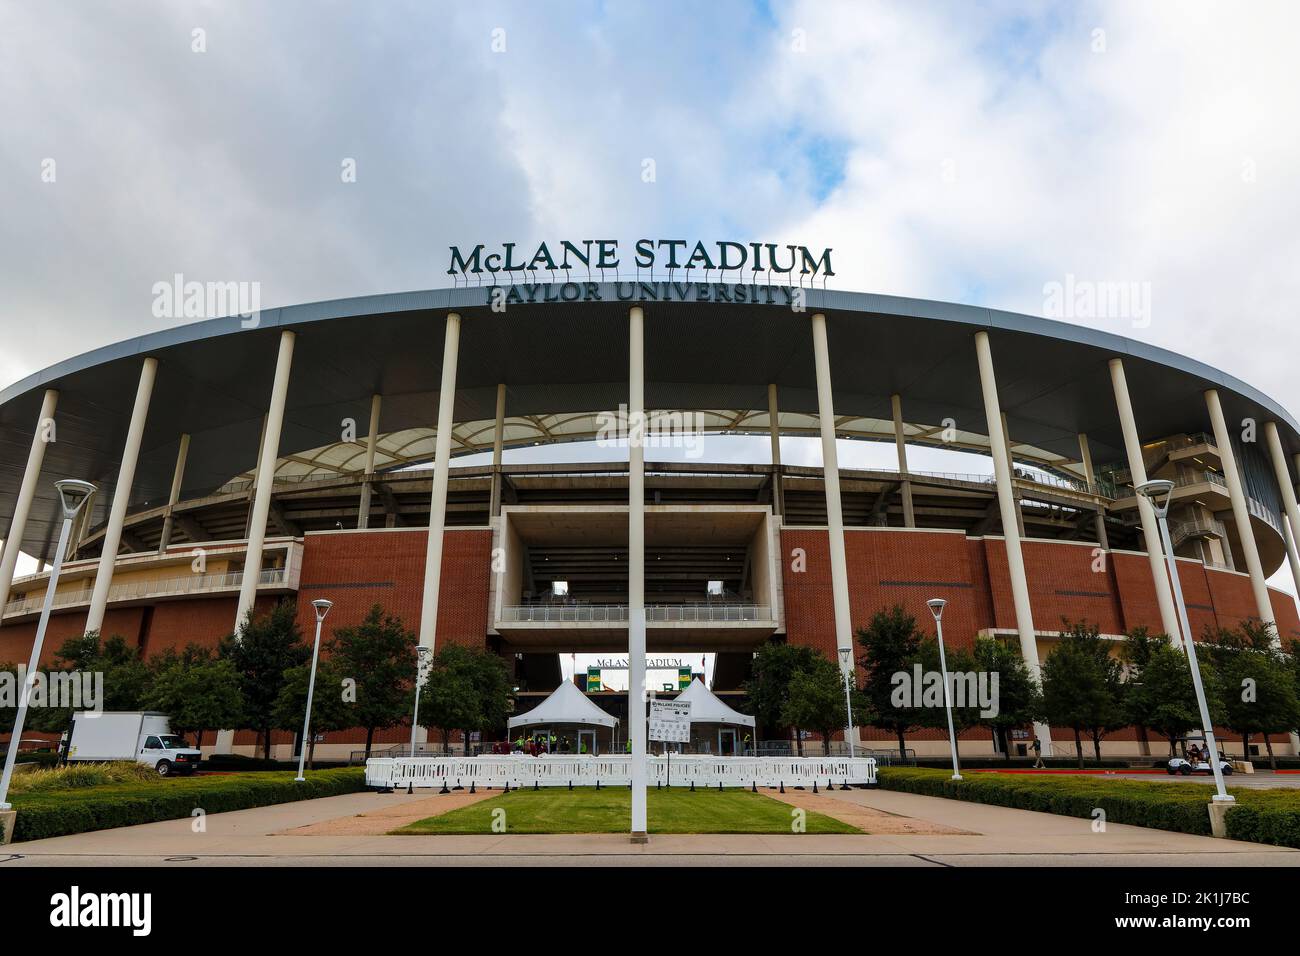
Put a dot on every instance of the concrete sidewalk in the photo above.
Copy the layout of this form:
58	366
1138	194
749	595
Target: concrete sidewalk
994	835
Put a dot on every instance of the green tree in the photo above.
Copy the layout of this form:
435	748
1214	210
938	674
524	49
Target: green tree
450	698
267	647
815	700
330	709
1258	696
1019	702
379	654
892	645
768	689
1082	686
196	691
1159	692
491	681
125	678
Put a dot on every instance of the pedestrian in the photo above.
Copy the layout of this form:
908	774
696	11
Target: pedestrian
1038	755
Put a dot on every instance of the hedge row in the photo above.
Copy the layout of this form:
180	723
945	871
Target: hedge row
59	813
1261	816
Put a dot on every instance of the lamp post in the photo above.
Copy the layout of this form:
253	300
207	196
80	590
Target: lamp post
1159	491
846	658
936	606
424	658
322	607
72	495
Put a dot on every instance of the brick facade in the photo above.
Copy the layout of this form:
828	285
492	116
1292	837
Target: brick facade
1067	582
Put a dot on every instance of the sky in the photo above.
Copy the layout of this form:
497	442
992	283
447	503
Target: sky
955	151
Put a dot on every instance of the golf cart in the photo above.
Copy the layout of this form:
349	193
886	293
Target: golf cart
1185	766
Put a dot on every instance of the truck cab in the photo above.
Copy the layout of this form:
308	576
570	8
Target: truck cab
168	754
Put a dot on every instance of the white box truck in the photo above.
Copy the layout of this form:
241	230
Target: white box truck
142	736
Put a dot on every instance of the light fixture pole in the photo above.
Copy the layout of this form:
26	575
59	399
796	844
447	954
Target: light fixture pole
423	659
72	495
1159	491
322	607
846	658
936	606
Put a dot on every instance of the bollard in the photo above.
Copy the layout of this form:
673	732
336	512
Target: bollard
783	786
753	786
507	787
814	786
536	786
692	786
570	784
830	784
471	786
719	786
410	787
846	784
458	786
444	786
597	784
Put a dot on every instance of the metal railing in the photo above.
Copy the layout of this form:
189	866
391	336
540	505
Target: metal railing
1180	531
617	613
136	590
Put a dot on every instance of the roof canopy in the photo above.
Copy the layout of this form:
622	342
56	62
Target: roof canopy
706	708
566	705
707	350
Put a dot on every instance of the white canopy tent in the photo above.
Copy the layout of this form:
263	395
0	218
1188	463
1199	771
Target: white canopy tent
706	708
566	705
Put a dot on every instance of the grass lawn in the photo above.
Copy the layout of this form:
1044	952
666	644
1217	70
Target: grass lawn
587	810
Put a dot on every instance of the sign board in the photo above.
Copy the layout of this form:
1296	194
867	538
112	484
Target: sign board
593	680
670	721
683	678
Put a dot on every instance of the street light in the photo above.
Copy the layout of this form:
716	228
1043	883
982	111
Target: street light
72	495
322	607
846	660
1159	491
423	659
936	606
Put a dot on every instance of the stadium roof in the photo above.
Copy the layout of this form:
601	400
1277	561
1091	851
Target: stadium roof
563	362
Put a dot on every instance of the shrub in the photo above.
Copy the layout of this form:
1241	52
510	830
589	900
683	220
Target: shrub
1261	816
57	813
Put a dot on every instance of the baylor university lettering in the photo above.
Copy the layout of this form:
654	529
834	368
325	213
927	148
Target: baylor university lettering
589	254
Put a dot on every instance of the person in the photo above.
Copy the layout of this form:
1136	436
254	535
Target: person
1038	755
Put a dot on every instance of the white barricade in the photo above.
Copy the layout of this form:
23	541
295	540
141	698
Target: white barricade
521	770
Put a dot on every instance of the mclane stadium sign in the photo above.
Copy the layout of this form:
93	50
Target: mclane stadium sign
647	254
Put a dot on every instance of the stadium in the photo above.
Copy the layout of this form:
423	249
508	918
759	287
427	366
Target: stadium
310	452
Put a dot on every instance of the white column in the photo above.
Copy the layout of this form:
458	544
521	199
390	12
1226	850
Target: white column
372	441
498	443
1150	532
1011	470
121	497
1287	492
774	429
438	501
43	435
268	456
900	444
1090	476
831	478
636	626
178	475
1240	511
1007	508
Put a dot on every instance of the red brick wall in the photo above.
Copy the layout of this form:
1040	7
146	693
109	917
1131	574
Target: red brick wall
888	567
357	570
